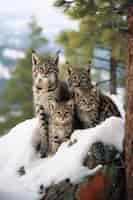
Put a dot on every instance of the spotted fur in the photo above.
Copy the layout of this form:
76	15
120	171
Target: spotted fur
92	106
87	106
60	124
45	83
46	89
79	77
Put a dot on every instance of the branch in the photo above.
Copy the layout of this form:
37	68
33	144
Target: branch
102	82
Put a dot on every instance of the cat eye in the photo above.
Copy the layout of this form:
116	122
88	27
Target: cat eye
74	77
83	77
39	88
66	113
91	100
83	100
77	94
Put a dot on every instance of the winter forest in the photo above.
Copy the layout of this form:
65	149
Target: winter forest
66	100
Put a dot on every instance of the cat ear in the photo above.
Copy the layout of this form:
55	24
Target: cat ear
69	68
35	58
89	67
70	103
77	95
52	106
56	62
95	90
78	92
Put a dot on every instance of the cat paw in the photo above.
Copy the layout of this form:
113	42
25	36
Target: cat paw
43	154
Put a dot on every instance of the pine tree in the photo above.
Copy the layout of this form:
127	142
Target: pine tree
17	103
98	24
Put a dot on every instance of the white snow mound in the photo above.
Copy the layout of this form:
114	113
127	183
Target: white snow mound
16	150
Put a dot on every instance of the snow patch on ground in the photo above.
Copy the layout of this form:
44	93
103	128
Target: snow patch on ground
4	72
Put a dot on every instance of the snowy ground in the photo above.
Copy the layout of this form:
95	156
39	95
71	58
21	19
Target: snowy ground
16	150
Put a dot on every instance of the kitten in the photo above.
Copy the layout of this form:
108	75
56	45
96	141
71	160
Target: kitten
87	106
60	124
46	88
79	77
92	106
45	83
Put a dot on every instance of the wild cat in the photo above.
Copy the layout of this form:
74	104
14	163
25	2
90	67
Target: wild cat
46	88
92	106
60	124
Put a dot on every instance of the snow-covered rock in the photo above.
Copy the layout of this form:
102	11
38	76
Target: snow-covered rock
16	150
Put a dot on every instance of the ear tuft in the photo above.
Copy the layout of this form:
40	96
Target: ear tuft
70	103
89	67
35	58
52	106
57	57
95	89
69	68
78	94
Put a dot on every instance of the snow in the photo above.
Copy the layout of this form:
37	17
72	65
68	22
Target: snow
4	72
16	150
14	54
2	119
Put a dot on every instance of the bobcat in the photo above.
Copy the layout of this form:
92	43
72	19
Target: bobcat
79	77
60	124
92	106
46	88
87	106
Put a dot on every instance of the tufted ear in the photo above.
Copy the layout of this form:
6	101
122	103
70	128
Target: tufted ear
96	90
89	67
70	104
35	58
69	68
56	62
52	106
78	94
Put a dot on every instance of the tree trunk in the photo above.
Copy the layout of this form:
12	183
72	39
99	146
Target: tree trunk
129	111
113	76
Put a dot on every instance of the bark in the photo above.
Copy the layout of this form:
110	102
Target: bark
129	110
113	76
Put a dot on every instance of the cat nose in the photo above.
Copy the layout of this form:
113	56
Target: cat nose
56	137
39	80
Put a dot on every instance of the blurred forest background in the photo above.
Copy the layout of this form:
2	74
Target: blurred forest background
100	36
